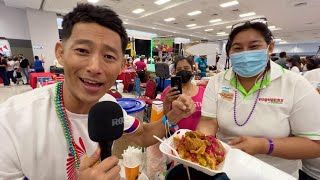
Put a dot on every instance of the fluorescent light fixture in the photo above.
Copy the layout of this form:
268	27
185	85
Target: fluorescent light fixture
221	33
277	39
153	28
228	4
159	2
247	14
93	1
194	13
215	20
283	42
229	27
208	30
191	25
275	29
169	19
137	11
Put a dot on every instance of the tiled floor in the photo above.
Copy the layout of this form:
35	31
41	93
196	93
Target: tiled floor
5	92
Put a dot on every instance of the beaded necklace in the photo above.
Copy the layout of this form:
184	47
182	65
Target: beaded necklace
254	105
65	123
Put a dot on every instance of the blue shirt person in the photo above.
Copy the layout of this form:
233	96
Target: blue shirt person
201	64
38	67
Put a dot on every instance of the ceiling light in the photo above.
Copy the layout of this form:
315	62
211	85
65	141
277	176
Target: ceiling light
137	11
191	25
208	30
93	1
283	42
194	13
215	20
169	19
159	2
221	33
247	14
271	27
277	39
231	3
228	27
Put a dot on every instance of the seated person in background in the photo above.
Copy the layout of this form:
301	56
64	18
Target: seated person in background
141	67
128	64
282	60
294	64
183	67
38	64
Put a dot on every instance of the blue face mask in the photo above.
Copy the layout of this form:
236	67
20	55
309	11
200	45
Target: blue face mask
249	63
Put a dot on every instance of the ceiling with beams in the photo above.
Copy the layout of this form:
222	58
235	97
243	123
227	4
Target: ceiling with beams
295	20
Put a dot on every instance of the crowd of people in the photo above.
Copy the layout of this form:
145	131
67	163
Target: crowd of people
12	68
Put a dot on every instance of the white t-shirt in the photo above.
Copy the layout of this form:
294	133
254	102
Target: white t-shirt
313	76
295	69
32	141
312	166
16	65
285	108
10	66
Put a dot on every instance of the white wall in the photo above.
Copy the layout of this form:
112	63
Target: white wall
13	23
44	34
300	49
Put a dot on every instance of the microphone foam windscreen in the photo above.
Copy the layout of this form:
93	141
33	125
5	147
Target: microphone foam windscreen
105	121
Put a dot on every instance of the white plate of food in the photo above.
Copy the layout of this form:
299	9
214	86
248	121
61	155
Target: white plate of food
203	153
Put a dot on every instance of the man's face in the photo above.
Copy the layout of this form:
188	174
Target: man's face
92	59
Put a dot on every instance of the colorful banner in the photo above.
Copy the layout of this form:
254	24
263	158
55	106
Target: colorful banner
162	44
5	47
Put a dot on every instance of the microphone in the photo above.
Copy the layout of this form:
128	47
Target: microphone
105	124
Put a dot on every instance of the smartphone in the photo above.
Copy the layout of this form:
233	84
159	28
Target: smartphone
176	81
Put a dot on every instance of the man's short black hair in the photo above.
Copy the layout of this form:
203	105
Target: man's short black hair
36	57
102	15
283	54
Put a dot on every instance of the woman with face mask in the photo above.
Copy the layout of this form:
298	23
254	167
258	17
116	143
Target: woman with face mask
259	107
183	67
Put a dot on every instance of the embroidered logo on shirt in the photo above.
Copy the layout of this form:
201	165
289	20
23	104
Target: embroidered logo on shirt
272	100
226	94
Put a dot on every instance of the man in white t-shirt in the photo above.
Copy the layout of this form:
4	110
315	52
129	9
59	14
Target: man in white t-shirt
44	132
10	69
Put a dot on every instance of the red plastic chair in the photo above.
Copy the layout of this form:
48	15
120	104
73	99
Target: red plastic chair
114	93
128	81
150	93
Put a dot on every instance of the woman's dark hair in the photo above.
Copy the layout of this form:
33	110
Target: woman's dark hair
36	57
258	26
102	15
313	63
181	58
295	61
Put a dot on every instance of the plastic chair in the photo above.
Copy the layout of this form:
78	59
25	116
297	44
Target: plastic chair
114	93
